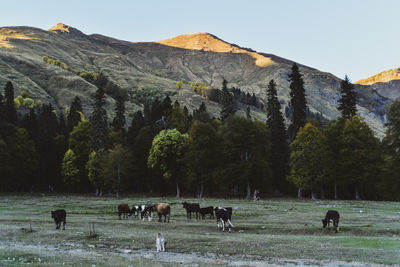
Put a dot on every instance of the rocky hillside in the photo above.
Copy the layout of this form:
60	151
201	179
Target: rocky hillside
386	83
145	68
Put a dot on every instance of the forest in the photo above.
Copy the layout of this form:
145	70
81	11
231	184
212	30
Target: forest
166	150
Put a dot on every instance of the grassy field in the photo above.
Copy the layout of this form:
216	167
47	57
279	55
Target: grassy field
273	231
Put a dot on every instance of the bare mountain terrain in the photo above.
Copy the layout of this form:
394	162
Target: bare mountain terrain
386	83
147	66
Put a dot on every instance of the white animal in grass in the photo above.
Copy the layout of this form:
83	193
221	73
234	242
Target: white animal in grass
160	242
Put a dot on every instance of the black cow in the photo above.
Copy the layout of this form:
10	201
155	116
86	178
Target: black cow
147	212
124	210
207	210
191	207
136	209
59	216
224	216
331	215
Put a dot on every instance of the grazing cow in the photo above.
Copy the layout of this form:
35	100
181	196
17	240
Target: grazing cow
332	215
191	207
123	209
207	210
224	216
59	216
163	209
135	210
147	212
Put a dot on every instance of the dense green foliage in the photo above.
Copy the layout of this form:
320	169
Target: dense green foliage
167	148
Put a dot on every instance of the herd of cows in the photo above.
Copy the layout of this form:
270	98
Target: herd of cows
223	215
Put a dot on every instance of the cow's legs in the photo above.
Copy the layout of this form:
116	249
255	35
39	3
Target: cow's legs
159	217
223	225
64	223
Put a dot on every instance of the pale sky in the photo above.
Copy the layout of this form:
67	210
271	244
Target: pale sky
359	38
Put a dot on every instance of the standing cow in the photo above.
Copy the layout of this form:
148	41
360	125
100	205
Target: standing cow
163	209
224	216
59	216
123	209
191	207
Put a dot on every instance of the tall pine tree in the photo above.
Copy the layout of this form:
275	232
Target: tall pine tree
347	102
74	116
297	100
227	101
279	149
98	120
119	121
9	109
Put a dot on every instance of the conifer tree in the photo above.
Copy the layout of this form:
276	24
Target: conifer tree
347	102
10	112
156	110
166	106
248	114
119	120
297	100
30	123
47	131
62	126
227	101
98	120
74	116
279	144
2	109
136	124
147	114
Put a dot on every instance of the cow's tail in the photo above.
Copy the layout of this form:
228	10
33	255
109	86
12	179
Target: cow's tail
229	221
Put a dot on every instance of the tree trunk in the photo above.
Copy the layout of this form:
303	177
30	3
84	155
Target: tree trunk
201	193
101	192
97	192
357	193
178	191
299	193
313	195
322	193
119	178
235	191
248	196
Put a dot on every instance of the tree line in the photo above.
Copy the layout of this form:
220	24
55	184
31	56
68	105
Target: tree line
167	149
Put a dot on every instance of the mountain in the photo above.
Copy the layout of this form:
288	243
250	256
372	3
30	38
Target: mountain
386	83
53	66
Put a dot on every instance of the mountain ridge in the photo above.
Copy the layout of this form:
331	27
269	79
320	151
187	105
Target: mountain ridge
141	66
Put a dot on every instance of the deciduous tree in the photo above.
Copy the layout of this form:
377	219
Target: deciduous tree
167	153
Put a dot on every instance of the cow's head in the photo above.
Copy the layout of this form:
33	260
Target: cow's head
324	222
184	204
52	214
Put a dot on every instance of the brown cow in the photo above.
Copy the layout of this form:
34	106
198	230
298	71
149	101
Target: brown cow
123	209
163	209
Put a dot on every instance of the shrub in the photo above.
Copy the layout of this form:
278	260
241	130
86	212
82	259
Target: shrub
28	103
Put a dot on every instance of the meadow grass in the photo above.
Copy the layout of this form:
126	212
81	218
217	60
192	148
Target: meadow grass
270	231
